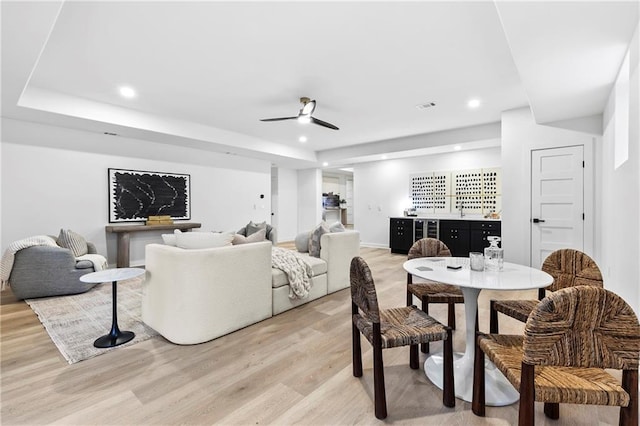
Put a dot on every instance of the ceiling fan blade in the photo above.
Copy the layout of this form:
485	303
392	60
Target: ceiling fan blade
323	123
279	119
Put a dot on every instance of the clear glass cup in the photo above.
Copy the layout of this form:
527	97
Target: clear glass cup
476	261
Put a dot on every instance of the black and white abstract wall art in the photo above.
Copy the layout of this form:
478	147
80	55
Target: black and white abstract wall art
135	195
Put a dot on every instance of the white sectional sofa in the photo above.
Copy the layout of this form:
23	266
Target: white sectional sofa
331	270
195	295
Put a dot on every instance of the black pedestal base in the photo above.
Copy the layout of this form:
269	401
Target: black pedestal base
109	340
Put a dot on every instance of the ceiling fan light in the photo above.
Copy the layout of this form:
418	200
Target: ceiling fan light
304	119
308	107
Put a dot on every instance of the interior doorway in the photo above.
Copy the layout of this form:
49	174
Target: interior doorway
340	182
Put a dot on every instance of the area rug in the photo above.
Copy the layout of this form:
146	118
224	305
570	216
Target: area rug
74	322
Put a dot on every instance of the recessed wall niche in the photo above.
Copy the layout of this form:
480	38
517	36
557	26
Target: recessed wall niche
477	191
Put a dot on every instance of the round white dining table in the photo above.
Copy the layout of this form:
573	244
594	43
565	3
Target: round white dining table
498	390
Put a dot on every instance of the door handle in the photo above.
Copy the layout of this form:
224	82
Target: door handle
536	220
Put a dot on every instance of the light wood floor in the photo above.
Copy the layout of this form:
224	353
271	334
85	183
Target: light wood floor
294	368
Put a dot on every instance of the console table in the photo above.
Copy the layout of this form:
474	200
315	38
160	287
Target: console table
124	231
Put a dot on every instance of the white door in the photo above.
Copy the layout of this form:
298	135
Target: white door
557	201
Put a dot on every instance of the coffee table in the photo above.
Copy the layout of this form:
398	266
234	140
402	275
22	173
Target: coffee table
498	389
115	336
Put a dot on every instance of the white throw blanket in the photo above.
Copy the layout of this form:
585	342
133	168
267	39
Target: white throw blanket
98	260
297	269
6	264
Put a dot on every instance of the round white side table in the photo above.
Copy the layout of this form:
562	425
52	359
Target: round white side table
115	336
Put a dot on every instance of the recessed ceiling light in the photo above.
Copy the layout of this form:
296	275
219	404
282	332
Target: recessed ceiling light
457	147
473	103
127	92
302	139
325	164
384	157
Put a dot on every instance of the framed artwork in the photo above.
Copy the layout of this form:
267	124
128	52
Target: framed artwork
135	195
477	191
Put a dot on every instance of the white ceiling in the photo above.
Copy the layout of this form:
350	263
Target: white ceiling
206	72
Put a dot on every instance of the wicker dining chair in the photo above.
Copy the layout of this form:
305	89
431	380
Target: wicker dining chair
570	337
568	267
389	328
432	291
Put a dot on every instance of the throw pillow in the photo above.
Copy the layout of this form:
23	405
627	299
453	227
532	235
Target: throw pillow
169	239
314	239
337	227
255	227
253	238
73	241
302	242
200	240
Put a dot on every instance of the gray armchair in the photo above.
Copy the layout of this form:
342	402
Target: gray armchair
42	271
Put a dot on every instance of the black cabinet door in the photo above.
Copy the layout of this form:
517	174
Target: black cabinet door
400	235
479	232
455	234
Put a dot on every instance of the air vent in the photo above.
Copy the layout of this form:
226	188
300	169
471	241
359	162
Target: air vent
425	106
110	134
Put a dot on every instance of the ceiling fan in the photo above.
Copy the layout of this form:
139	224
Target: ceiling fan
304	116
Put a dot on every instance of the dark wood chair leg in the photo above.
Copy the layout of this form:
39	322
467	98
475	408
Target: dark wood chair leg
357	353
409	294
379	396
478	398
527	393
552	410
424	347
451	320
493	318
629	414
414	360
355	346
448	383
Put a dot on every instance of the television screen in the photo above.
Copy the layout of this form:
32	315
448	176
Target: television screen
331	201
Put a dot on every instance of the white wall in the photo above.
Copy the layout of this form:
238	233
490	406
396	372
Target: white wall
309	198
520	135
54	178
381	188
287	204
618	200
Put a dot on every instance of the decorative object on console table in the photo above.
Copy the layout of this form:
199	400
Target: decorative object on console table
159	220
135	195
124	231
